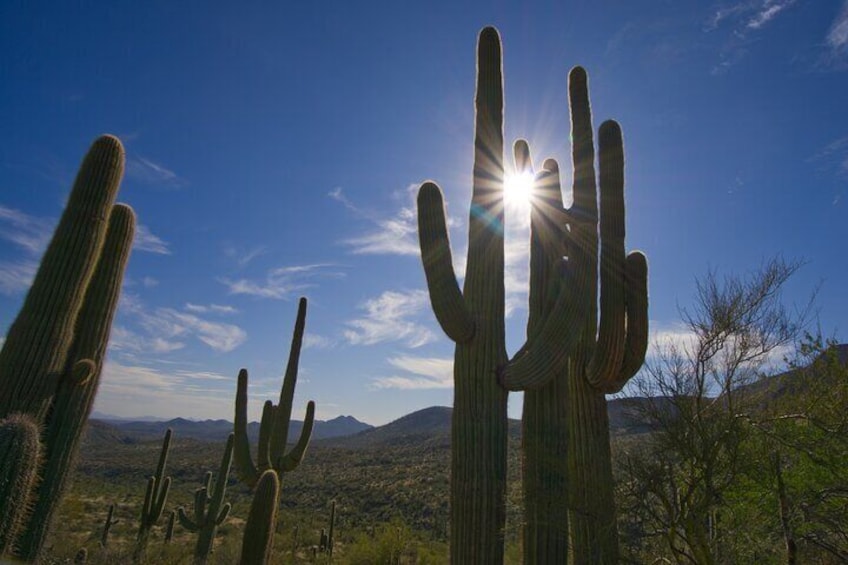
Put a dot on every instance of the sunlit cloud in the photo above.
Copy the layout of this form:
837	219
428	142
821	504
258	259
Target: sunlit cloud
837	39
426	373
396	234
283	282
389	317
148	172
767	12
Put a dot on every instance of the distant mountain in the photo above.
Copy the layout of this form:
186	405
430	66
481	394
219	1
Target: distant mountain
218	430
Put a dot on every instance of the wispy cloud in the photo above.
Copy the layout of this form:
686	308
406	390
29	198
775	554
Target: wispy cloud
167	329
837	39
147	171
243	256
27	232
389	317
833	156
16	277
315	341
145	240
283	282
393	235
743	20
426	373
210	308
149	282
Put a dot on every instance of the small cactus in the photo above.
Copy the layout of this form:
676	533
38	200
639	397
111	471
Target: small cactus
259	530
154	499
107	525
210	510
274	427
81	557
19	455
169	530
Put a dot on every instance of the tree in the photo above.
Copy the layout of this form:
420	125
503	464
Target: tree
677	480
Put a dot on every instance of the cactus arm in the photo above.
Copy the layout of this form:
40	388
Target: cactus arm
161	499
448	304
280	433
148	501
293	458
266	430
187	522
19	448
163	455
201	497
223	514
637	320
604	366
223	474
245	467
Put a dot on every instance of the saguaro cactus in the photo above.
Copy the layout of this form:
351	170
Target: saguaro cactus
274	427
565	413
19	452
107	526
154	499
474	319
210	510
169	529
51	360
259	531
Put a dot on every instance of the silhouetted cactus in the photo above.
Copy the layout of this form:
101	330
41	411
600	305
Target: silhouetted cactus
565	421
259	530
107	525
51	360
274	427
474	319
154	499
331	532
210	510
20	452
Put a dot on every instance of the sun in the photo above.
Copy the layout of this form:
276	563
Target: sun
518	189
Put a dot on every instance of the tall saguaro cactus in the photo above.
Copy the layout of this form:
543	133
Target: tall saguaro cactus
154	499
274	427
565	421
474	319
51	361
210	510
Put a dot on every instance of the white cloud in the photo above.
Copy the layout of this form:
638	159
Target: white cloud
282	282
430	373
149	172
28	232
387	318
149	282
166	329
210	308
315	341
767	12
837	37
394	235
145	240
243	256
16	278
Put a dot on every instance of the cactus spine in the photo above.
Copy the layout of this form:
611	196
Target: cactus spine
51	360
259	530
107	525
274	427
474	319
210	510
19	454
154	499
566	426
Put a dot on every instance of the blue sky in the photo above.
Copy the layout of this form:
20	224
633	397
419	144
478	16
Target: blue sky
274	150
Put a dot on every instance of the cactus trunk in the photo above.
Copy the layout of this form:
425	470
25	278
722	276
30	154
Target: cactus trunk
259	530
20	451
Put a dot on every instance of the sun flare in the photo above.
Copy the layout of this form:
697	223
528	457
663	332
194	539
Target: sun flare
518	189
